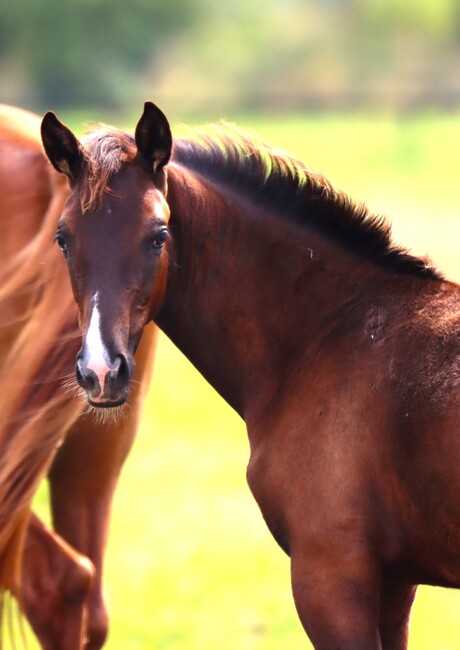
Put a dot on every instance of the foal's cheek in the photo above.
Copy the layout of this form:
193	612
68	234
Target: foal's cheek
76	290
152	287
140	311
138	323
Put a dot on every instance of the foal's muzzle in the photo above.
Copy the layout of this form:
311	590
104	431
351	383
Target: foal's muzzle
106	385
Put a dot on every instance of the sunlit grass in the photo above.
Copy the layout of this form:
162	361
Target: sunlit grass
190	563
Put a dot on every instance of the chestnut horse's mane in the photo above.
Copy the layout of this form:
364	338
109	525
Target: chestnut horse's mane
251	168
35	410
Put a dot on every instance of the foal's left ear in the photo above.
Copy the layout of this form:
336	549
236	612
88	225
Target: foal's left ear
153	138
61	146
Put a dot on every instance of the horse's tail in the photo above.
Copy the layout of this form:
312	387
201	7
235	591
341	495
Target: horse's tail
38	325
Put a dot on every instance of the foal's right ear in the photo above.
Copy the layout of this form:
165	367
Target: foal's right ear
61	146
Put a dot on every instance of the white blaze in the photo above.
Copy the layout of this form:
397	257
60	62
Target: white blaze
96	352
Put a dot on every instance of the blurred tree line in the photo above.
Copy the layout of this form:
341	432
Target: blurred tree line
203	54
85	51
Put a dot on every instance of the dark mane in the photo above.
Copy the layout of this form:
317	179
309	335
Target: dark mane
251	167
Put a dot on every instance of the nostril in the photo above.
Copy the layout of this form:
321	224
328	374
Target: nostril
121	371
78	373
86	378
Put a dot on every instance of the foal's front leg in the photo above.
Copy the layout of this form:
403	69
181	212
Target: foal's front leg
336	596
395	608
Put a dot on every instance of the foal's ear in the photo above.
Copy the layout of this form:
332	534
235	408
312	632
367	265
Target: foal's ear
61	146
153	138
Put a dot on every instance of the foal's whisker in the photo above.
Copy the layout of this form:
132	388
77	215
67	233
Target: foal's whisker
136	382
109	415
69	385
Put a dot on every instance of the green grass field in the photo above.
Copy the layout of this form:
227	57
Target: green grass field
190	563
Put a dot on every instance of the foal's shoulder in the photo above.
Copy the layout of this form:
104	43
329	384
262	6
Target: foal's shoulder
436	337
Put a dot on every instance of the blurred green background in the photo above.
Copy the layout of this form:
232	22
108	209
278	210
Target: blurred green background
365	91
208	57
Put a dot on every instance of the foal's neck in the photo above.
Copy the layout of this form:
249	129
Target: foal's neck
249	296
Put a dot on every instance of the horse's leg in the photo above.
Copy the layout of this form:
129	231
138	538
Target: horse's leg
336	596
395	608
83	480
81	502
56	583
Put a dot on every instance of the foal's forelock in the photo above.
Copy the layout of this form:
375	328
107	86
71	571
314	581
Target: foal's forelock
105	153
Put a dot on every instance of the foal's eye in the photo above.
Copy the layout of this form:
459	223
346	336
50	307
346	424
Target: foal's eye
60	241
159	239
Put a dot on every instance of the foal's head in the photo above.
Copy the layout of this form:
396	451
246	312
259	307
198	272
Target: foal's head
113	234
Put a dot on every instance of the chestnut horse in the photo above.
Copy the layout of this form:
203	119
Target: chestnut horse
338	348
43	428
